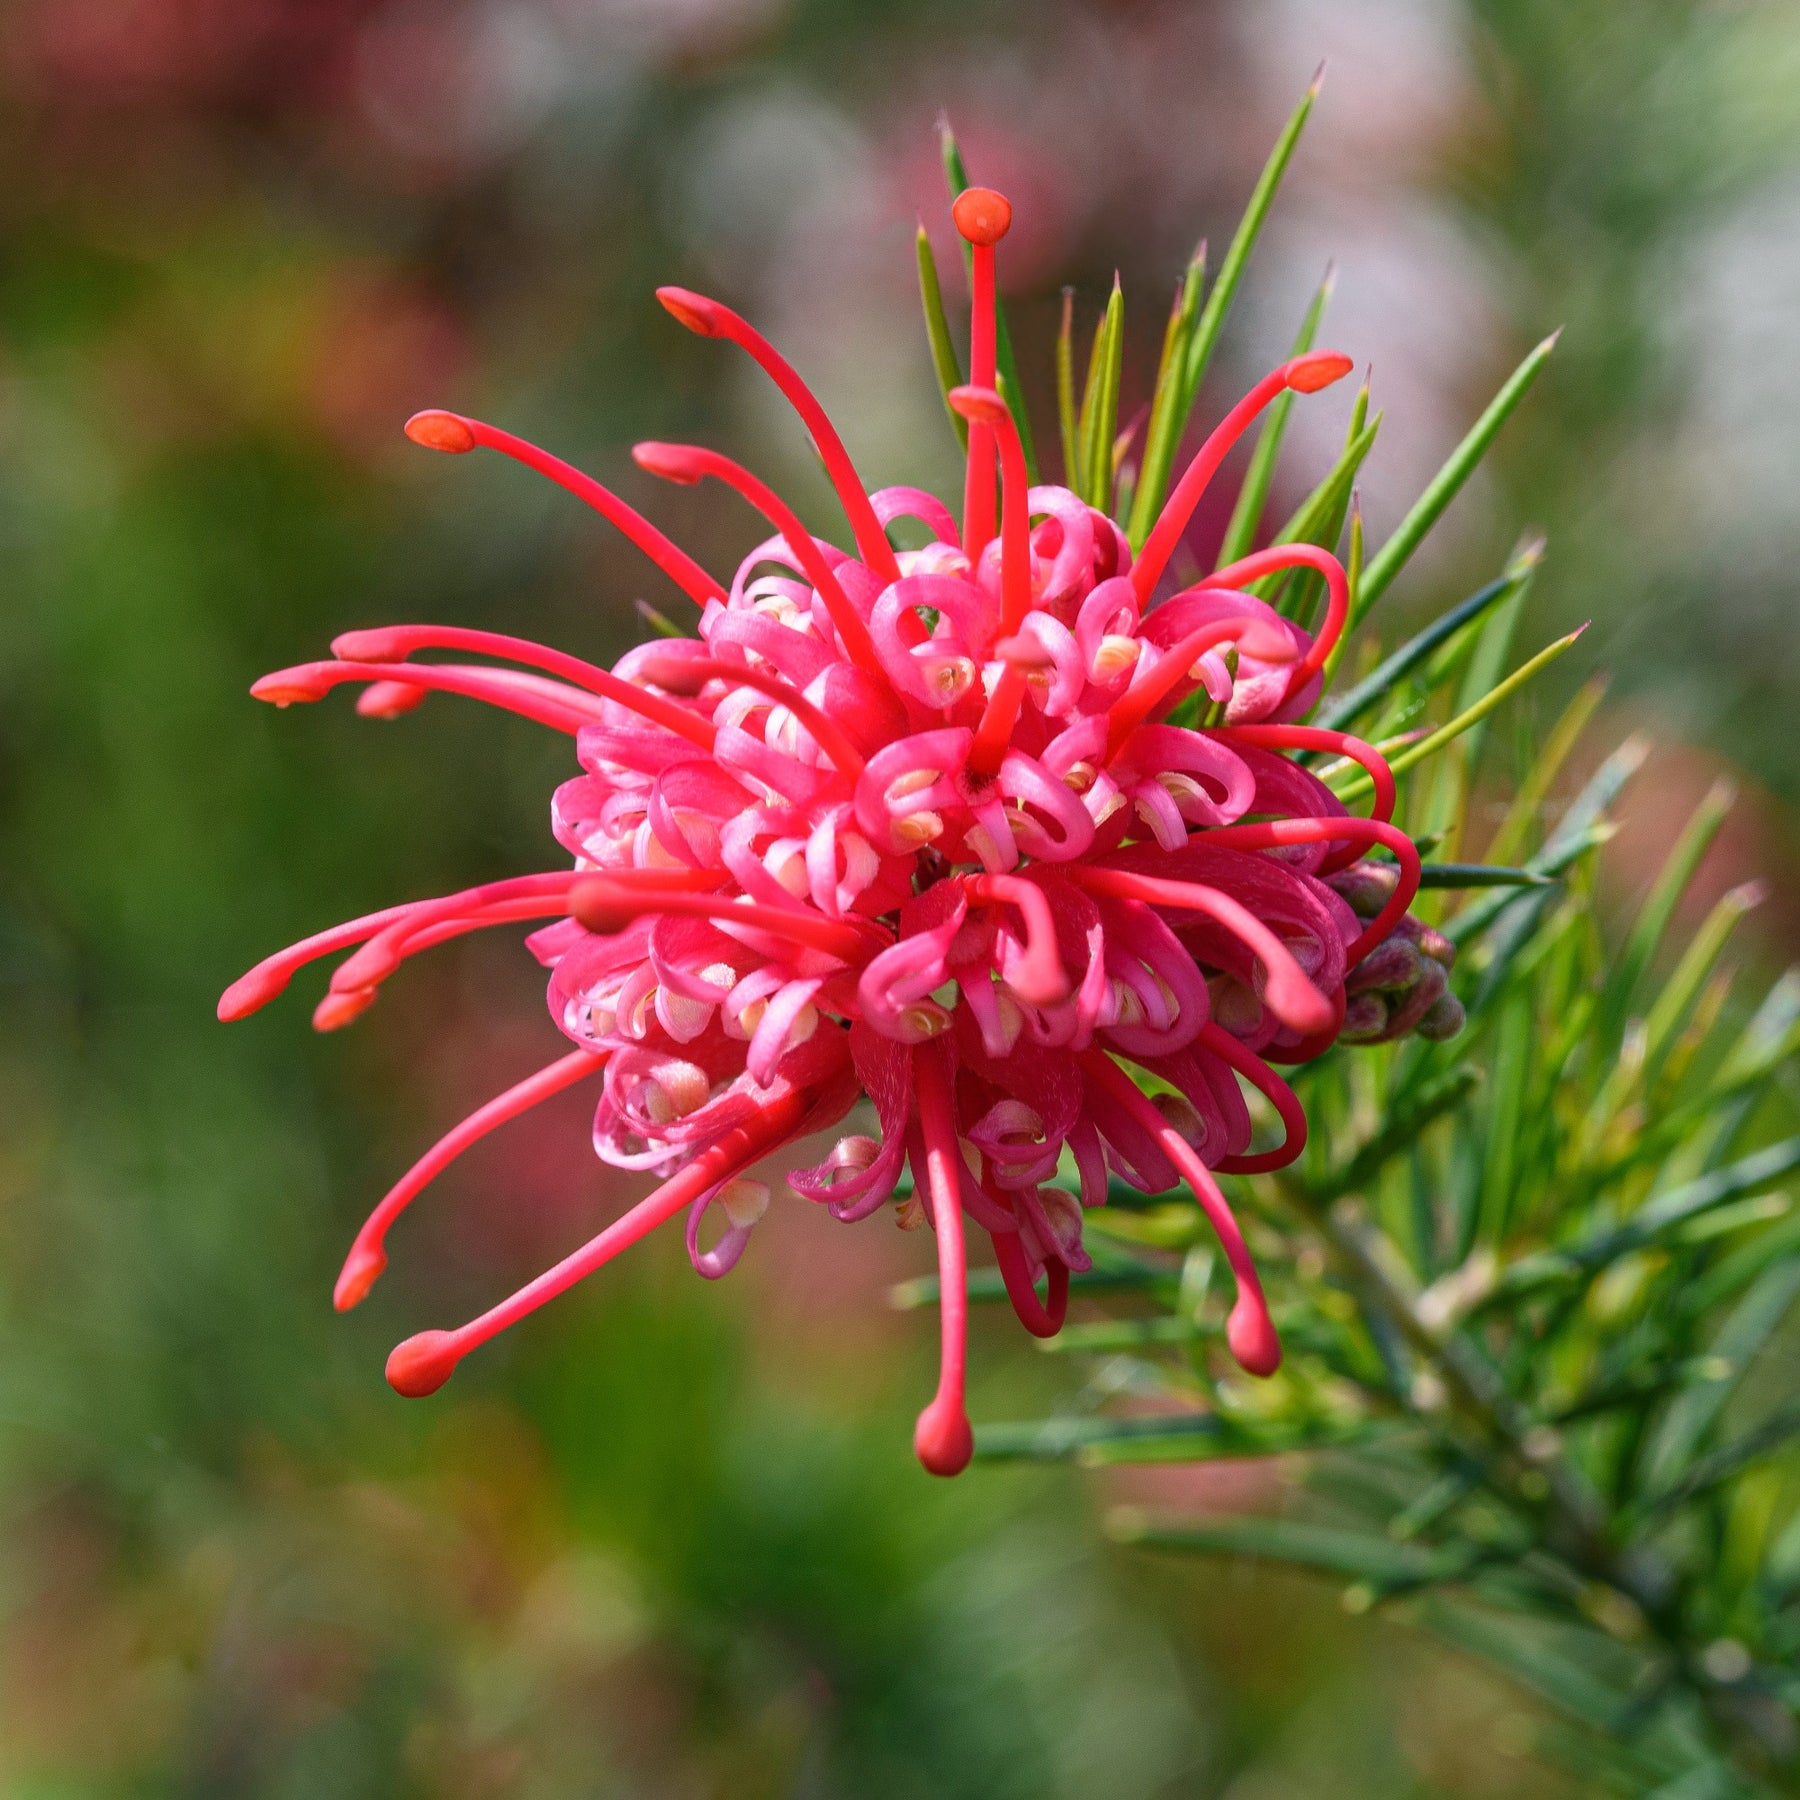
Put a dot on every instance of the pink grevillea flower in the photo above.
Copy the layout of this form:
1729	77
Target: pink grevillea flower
914	824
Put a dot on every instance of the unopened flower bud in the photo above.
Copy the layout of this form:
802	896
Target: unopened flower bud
1444	1019
1365	1018
1392	964
1438	947
1366	887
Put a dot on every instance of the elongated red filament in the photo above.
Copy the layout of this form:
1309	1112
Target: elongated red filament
501	902
1040	978
1318	737
1290	995
452	432
1305	375
942	1439
424	1363
1272	834
603	906
1273	1089
983	406
393	643
709	319
368	1254
545	702
1155	684
825	731
256	987
983	217
688	463
1249	1331
1042	1318
1337	588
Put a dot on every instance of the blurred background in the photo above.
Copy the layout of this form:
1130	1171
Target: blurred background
668	1538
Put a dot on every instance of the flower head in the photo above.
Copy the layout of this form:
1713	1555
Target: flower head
919	825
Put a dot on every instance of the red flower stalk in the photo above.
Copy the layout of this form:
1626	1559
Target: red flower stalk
916	825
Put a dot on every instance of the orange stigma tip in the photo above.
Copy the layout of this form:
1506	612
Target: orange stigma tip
602	908
673	462
289	687
1318	369
249	993
378	644
389	699
437	430
1250	1337
695	311
942	1440
362	1268
981	215
423	1364
981	406
336	1011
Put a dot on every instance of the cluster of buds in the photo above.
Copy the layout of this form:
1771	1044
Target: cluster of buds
917	825
1404	986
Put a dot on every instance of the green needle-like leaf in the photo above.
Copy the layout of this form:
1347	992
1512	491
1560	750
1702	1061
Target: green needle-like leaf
1100	420
1354	789
1444	486
1339	713
1168	409
1253	496
1065	392
1692	1415
1237	256
1652	1221
937	332
1319	518
1658	910
1325	1549
1480	875
1050	1440
1704	949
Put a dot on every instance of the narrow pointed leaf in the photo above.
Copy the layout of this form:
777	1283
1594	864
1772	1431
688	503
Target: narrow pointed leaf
1065	392
1325	1549
1103	426
1405	1124
1237	256
1650	1223
1773	1434
1694	1412
1578	832
1444	486
1534	790
1704	949
1658	910
1253	496
658	622
1416	753
1480	875
1049	1440
1169	410
937	332
1339	713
